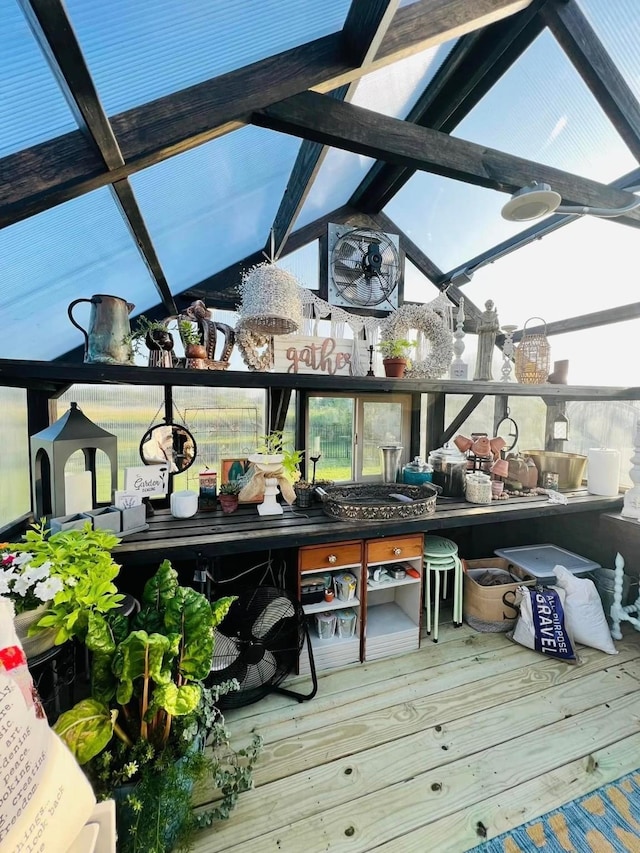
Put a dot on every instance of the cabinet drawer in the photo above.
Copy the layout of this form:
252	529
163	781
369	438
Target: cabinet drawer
383	550
330	556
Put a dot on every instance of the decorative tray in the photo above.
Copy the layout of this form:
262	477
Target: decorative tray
375	502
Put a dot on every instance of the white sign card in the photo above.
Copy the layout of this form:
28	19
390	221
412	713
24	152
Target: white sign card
319	356
147	480
125	500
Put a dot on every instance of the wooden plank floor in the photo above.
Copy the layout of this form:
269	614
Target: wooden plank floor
431	751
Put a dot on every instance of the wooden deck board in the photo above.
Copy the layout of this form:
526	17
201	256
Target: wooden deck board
354	769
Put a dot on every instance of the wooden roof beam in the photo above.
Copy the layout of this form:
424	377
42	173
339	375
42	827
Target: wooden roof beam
474	64
57	40
590	58
346	126
55	171
367	22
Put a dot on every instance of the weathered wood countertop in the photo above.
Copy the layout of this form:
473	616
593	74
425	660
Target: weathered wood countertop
216	534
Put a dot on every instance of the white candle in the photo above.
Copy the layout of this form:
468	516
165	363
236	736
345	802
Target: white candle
316	445
77	492
603	471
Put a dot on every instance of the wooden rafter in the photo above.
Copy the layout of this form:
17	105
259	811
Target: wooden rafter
474	64
364	28
324	120
55	36
47	174
597	69
586	321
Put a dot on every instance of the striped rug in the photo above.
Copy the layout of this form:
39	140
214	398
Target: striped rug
605	821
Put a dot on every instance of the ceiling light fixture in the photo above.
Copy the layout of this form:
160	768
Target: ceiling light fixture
538	199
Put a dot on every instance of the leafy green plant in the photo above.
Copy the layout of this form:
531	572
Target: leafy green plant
189	333
149	715
81	560
143	327
273	444
395	348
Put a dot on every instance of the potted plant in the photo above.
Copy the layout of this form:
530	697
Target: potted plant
228	496
154	333
190	336
304	492
66	578
395	356
140	735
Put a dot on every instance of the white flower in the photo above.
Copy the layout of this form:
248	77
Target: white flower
5	589
47	589
21	559
71	581
39	573
21	585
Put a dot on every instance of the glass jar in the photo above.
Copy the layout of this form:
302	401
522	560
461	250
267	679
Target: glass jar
417	472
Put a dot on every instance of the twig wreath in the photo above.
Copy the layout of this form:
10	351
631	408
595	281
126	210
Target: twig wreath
432	327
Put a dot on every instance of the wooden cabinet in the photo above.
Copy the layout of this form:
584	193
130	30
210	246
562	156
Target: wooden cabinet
393	606
379	616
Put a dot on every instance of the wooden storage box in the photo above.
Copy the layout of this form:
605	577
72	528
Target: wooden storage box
492	608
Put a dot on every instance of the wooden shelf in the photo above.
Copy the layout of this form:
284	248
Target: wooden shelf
52	376
336	604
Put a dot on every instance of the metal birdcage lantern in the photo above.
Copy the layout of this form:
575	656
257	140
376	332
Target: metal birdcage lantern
533	356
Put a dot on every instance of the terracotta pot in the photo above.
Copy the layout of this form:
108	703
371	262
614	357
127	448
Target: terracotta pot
395	367
229	503
195	351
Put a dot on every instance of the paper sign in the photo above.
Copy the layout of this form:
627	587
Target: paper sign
147	480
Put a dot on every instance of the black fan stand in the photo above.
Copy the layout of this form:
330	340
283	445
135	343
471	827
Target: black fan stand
303	697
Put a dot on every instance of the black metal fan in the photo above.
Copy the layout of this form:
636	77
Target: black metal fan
259	643
364	269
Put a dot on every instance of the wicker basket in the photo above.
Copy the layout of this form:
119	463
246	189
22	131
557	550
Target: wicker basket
533	357
271	302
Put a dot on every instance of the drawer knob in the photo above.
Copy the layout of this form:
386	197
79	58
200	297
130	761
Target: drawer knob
332	558
397	551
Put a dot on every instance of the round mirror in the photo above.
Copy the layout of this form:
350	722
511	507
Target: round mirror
168	443
508	429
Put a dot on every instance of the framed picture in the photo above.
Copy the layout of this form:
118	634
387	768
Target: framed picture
233	469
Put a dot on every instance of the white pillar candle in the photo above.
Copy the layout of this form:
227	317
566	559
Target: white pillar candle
77	492
316	445
603	471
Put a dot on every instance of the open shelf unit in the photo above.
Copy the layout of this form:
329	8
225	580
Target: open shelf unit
393	606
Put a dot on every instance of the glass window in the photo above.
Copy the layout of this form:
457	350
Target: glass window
32	107
529	413
73	250
214	205
330	430
617	24
608	424
126	411
141	51
15	501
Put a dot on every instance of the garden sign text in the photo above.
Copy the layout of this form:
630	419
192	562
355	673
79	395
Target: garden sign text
326	356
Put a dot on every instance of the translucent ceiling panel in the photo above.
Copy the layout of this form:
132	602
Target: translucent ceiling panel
71	251
141	50
214	205
32	108
617	24
392	91
304	263
600	356
588	265
542	110
417	287
449	220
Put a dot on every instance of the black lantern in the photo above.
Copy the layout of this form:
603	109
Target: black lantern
52	492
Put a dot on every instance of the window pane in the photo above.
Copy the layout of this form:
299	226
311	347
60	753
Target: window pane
15	493
617	24
331	428
608	424
140	51
382	425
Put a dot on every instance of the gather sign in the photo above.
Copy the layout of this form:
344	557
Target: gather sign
307	354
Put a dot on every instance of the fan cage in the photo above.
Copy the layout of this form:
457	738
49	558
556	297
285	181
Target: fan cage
350	285
258	643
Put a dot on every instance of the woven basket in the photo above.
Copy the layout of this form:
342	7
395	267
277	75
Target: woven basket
533	357
271	302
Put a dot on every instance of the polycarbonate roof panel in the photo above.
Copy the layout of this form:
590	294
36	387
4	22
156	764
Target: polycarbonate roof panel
213	205
392	91
542	110
304	264
74	250
32	107
449	220
585	266
417	287
617	24
600	356
142	50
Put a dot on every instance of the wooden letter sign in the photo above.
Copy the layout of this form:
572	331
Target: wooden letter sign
326	356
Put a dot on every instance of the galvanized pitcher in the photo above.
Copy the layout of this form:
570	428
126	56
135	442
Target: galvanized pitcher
107	341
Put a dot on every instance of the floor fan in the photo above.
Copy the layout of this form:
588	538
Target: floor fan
259	643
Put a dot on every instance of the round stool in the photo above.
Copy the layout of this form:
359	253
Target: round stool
440	557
